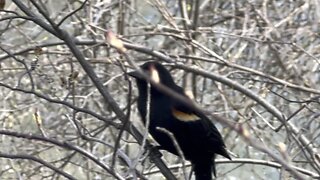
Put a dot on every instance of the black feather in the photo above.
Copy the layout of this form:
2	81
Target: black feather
198	138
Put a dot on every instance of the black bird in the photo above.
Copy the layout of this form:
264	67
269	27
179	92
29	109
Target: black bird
197	137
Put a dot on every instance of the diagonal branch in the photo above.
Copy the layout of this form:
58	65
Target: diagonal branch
38	160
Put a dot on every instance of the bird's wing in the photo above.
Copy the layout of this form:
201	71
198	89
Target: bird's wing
184	113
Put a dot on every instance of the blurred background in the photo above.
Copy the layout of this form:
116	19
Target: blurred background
68	111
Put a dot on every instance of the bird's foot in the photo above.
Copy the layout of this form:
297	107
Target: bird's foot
154	152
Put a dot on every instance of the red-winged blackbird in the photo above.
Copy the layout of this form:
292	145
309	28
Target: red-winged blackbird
197	137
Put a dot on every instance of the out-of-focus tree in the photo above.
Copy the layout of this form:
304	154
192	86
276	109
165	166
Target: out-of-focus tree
67	107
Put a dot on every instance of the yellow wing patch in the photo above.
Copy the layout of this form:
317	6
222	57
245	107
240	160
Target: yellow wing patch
182	116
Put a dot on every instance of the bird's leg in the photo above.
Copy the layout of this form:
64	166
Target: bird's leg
154	152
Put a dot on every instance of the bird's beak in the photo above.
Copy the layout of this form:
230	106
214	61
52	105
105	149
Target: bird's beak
153	75
135	74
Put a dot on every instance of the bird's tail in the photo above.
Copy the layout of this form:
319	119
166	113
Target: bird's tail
203	169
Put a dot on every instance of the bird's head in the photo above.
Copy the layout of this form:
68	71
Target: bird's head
155	71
